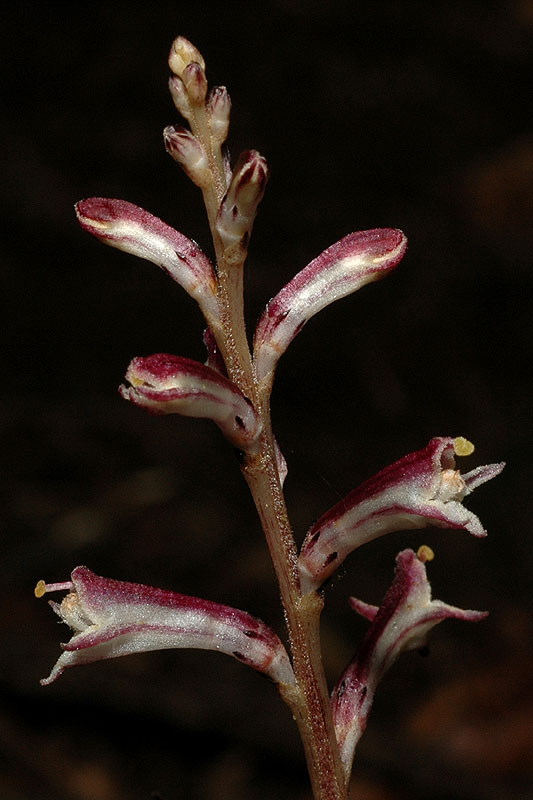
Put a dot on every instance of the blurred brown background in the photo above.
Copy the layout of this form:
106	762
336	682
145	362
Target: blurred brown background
406	114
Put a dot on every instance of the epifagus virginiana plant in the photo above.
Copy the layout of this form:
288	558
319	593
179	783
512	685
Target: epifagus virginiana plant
111	618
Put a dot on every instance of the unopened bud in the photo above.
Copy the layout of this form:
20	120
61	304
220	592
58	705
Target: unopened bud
195	82
188	152
180	97
182	53
238	209
218	108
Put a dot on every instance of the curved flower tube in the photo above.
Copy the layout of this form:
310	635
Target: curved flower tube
421	489
167	384
132	229
401	623
343	268
112	618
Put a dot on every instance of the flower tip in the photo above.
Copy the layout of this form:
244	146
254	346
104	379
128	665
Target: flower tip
182	53
389	245
425	553
98	214
462	447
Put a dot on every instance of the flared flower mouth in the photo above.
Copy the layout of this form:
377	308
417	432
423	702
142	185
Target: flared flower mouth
421	489
111	618
402	622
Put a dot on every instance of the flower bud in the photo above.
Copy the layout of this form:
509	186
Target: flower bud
343	268
188	152
238	209
167	384
132	229
180	97
218	109
195	83
182	53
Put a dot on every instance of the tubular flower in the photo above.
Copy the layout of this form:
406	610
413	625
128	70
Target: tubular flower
346	266
127	227
421	489
401	623
167	384
113	618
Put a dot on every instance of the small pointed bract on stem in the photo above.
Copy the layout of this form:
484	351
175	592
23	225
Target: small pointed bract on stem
112	618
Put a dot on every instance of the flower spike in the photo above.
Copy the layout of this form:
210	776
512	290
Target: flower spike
421	489
402	623
343	268
113	618
167	384
130	228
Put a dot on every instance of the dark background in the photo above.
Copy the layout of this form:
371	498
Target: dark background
404	114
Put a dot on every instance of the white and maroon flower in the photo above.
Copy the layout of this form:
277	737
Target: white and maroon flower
421	489
111	618
130	228
167	384
343	268
401	623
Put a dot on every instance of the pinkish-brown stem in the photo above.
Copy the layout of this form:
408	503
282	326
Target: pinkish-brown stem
309	700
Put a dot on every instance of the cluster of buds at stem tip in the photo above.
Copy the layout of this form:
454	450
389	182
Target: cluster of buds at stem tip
401	623
188	88
421	489
111	618
188	67
237	212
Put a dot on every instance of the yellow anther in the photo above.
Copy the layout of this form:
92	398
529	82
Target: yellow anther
40	589
463	447
425	553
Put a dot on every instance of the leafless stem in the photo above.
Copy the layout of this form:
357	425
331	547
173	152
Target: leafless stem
310	703
309	700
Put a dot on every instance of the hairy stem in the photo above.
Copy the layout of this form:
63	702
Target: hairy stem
309	702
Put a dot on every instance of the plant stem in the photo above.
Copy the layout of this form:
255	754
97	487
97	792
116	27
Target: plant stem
310	704
309	701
